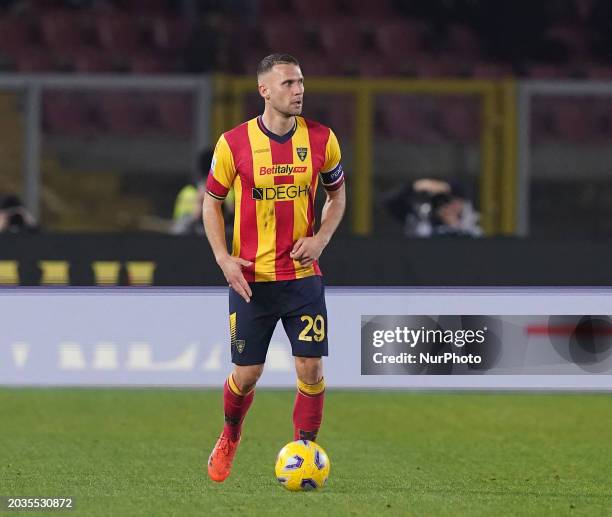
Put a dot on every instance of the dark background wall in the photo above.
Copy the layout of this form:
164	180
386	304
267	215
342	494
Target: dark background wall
187	261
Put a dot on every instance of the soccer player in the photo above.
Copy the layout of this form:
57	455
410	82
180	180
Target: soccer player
274	163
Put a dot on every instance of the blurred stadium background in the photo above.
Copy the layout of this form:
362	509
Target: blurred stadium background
106	109
106	106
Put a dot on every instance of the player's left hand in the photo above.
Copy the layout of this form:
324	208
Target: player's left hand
306	250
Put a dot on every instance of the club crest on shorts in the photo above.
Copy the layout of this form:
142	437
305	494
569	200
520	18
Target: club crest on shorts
240	344
302	152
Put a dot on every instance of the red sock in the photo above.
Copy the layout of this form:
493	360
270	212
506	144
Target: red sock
308	410
235	408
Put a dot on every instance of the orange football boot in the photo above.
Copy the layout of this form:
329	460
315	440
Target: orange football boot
221	458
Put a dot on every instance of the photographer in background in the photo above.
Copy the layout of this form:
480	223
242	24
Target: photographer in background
430	207
187	215
14	218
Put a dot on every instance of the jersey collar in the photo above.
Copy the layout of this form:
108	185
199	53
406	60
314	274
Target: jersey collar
277	138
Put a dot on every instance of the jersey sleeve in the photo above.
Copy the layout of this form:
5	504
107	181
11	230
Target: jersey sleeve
222	171
332	175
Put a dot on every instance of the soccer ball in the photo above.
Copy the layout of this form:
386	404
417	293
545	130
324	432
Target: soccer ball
302	465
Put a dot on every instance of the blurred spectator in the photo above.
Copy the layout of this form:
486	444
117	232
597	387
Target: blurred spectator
14	218
188	205
430	207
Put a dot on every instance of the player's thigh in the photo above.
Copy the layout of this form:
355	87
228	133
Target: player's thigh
306	326
251	328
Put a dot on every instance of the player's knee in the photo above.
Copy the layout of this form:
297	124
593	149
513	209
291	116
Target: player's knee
246	377
309	369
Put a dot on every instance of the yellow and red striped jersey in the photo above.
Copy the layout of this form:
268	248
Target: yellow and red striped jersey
275	180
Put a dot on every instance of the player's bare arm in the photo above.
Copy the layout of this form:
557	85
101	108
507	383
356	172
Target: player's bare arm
308	249
212	215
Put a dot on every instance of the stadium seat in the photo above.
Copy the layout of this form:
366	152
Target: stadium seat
460	120
149	64
463	41
372	65
66	113
544	71
175	113
315	64
573	38
341	114
149	6
124	113
88	60
410	118
341	37
571	122
271	7
61	30
118	32
598	72
250	58
284	35
485	70
380	9
171	34
432	67
396	39
14	34
34	59
319	9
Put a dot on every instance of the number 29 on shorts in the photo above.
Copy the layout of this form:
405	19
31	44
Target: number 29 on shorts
315	328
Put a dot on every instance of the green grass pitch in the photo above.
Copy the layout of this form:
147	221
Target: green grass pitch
142	452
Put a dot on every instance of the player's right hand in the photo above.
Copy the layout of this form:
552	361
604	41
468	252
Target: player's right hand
232	269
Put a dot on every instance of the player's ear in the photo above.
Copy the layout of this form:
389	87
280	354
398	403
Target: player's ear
263	91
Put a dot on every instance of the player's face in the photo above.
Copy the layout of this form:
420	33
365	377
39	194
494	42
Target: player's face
283	89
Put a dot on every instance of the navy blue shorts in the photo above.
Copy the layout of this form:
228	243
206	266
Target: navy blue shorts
299	304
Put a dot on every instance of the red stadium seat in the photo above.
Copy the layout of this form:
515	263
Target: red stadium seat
267	8
341	37
124	113
14	34
315	64
34	59
66	113
436	68
543	71
175	113
599	72
284	35
463	41
341	114
88	60
398	38
460	120
320	9
372	65
145	6
409	118
574	38
118	32
170	33
61	30
149	64
571	122
250	59
491	71
373	10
